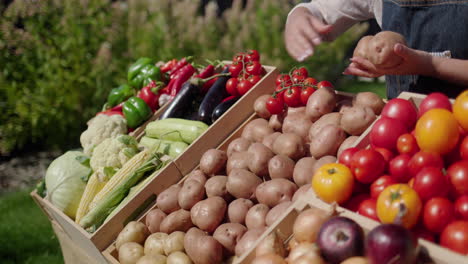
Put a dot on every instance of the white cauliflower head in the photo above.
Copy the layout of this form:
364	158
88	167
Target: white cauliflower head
101	127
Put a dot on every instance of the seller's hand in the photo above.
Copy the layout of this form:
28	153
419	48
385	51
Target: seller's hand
303	32
415	62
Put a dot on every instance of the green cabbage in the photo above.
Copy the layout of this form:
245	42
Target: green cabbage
64	182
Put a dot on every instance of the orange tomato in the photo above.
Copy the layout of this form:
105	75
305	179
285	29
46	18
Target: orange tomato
437	131
460	109
399	204
333	182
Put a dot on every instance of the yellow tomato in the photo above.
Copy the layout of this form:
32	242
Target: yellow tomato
437	131
399	204
333	182
460	109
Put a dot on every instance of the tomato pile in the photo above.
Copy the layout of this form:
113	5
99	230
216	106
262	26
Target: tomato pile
293	90
415	172
246	70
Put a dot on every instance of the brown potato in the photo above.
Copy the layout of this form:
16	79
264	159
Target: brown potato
323	160
289	144
342	105
133	232
152	259
260	106
228	235
276	122
281	166
357	119
237	210
176	221
208	214
371	100
302	191
242	183
380	50
238	160
247	241
275	212
154	244
197	175
256	216
130	253
327	141
275	191
238	145
327	119
321	102
191	193
298	123
213	161
216	186
256	130
201	248
168	200
347	143
258	158
302	173
362	47
174	242
270	139
153	219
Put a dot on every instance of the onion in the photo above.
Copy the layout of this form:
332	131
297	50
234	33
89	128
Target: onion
309	259
269	259
356	260
303	249
308	223
272	244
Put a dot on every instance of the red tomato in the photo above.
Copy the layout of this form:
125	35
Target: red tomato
461	207
387	154
298	78
231	86
424	159
240	57
283	79
464	148
235	69
243	87
275	105
252	55
385	133
292	97
306	93
253	67
353	203
455	237
367	165
402	110
346	156
368	208
380	184
434	100
301	72
406	144
438	212
254	79
431	182
324	84
310	81
458	174
398	168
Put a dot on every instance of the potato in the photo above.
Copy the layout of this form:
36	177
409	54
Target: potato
133	232
256	216
275	212
276	122
342	105
260	106
130	253
371	100
271	244
247	241
191	193
327	141
237	210
275	191
281	166
327	119
201	248
347	143
321	102
208	214
216	186
323	160
154	244
229	234
298	123
270	139
178	258
269	259
256	130
174	242
357	119
176	221
242	183
258	158
152	259
238	145
289	144
302	173
362	47
238	160
213	161
197	175
296	110
168	200
153	219
380	50
301	191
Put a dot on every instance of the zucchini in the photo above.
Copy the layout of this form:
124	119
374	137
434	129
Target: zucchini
176	129
171	148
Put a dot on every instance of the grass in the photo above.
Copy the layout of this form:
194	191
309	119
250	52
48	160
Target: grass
359	86
25	232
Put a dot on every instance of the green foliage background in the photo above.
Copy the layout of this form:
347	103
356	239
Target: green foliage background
59	59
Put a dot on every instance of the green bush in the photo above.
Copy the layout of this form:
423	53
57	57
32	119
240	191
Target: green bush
60	58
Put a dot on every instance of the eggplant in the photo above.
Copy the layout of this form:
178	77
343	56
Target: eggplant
223	107
182	102
215	95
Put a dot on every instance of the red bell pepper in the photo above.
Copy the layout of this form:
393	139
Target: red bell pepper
110	112
150	95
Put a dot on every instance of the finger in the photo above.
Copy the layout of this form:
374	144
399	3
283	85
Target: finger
364	63
311	33
319	26
403	51
359	72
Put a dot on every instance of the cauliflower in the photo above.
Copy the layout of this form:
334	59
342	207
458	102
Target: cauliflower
100	128
111	154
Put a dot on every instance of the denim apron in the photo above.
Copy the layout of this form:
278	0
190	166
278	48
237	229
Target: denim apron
432	26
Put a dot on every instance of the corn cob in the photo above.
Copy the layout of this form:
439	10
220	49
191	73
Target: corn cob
92	188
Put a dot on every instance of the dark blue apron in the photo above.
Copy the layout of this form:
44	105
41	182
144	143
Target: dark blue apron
429	25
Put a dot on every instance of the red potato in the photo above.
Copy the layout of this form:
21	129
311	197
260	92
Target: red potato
275	191
176	221
191	193
213	162
347	143
276	122
209	213
281	166
216	186
247	241
342	105
256	216
237	210
357	119
256	130
270	139
371	100
201	248
298	123
228	235
197	175
277	211
238	145
301	192
242	183
327	141
289	144
323	160
153	219
258	158
327	119
321	102
238	160
260	106
302	173
168	200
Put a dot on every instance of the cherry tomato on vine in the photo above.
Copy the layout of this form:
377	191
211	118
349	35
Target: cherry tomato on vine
240	57
235	68
298	78
324	84
231	86
254	79
253	68
292	96
300	72
275	105
243	87
283	79
310	81
252	55
306	92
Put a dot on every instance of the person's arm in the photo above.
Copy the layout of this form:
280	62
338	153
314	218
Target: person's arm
453	70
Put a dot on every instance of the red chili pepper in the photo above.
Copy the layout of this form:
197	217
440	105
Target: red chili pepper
228	98
110	112
185	73
168	65
146	93
117	107
207	72
206	86
178	66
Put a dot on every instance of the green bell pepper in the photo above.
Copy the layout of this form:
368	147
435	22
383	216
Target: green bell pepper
119	94
136	111
142	72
